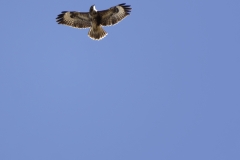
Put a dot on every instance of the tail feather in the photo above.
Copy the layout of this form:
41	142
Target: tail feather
97	33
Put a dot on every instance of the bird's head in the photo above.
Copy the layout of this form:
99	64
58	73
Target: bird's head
93	8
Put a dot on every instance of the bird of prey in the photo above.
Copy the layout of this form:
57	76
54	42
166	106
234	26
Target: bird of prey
95	19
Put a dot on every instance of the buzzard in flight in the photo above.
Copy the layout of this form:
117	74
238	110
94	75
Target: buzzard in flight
95	19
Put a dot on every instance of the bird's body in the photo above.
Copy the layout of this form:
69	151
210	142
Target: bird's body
94	19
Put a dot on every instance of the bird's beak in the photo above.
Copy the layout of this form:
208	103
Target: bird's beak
94	8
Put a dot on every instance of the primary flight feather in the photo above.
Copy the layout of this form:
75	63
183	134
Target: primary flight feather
95	19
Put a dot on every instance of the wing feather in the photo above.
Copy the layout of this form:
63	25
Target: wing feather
114	14
74	19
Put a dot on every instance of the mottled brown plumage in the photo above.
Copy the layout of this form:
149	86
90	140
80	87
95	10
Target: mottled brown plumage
95	19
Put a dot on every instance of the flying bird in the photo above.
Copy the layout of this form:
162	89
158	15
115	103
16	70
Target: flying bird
95	19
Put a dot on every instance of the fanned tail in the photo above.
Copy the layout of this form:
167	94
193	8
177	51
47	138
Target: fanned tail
97	33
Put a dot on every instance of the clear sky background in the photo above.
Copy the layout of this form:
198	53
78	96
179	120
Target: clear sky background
163	84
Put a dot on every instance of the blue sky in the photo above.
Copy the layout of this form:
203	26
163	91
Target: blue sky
163	84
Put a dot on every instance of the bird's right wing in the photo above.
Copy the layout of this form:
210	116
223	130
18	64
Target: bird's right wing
74	19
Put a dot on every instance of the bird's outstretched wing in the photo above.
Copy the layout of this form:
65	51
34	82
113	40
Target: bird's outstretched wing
114	14
74	19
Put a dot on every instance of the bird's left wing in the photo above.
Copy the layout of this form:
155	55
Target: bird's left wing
114	14
74	19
